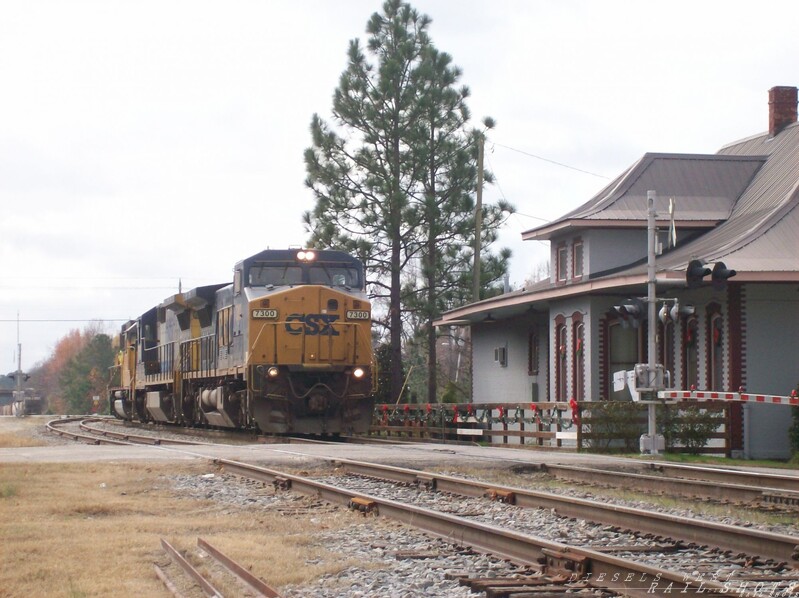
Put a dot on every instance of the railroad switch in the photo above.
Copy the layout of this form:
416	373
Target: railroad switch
505	496
281	483
564	563
363	505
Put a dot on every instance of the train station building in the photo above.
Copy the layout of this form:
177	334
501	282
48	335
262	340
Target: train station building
737	209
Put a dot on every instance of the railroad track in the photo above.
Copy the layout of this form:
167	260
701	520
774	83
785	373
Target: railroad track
726	537
727	486
247	582
761	555
627	568
721	485
768	491
95	435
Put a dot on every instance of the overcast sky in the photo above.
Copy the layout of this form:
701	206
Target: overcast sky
146	142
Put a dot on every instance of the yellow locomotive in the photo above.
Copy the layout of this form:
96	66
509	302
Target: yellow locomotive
285	348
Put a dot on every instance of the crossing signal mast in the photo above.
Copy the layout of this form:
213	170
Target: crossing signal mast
648	379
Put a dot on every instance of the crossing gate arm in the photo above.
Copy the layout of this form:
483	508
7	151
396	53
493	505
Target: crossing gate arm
706	395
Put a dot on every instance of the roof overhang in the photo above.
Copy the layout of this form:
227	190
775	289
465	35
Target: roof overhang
507	306
545	233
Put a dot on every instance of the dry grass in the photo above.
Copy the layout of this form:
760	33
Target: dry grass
94	530
17	432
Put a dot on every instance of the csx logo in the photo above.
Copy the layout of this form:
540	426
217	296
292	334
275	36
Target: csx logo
311	324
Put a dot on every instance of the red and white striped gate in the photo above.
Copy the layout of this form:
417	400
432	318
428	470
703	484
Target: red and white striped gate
710	395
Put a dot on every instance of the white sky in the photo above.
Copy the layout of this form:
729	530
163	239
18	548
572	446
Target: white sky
146	141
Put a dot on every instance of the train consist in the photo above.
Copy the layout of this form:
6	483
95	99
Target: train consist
285	348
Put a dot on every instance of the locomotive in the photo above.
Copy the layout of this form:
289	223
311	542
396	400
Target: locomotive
285	348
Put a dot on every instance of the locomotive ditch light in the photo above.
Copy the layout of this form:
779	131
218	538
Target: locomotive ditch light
358	373
273	372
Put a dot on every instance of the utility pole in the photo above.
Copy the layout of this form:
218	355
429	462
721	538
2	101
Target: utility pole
478	218
19	399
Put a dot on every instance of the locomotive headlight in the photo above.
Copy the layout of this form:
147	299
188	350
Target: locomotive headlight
273	372
358	373
306	256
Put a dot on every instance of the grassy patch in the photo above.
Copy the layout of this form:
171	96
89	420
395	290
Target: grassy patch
17	431
94	530
719	461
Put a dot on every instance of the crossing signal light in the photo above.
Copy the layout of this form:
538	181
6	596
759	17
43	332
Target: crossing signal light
695	273
675	312
631	311
720	275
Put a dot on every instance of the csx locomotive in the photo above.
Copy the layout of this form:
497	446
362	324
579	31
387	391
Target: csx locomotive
285	348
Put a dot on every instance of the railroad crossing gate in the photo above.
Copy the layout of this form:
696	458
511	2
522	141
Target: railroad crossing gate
705	395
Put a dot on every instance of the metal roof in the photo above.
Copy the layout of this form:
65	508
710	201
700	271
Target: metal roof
762	232
704	187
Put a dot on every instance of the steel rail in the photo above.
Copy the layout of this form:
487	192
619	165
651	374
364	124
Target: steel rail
255	584
99	436
725	475
52	426
632	579
138	438
189	569
727	537
719	490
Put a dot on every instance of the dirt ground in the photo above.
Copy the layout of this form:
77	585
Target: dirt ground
86	530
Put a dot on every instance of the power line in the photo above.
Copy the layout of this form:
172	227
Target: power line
513	149
68	320
93	288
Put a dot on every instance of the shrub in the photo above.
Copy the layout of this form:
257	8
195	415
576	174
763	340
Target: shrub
613	425
691	428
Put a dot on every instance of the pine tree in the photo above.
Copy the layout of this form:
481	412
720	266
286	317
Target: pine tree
362	188
397	185
448	158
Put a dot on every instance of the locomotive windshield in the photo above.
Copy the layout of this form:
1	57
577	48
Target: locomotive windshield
289	273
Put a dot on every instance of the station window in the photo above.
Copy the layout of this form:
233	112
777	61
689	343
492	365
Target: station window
562	265
560	362
578	343
577	259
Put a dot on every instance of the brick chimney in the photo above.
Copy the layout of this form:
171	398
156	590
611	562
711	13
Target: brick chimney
781	109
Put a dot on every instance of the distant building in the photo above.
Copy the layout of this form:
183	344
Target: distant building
562	337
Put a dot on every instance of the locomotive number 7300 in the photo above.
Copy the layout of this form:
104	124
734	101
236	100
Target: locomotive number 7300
265	313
